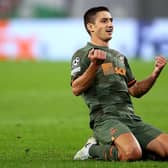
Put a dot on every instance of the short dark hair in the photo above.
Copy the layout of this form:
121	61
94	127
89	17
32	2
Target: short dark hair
89	16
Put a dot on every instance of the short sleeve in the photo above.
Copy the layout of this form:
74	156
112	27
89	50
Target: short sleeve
79	64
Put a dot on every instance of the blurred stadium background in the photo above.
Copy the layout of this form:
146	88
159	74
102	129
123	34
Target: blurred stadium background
41	123
53	29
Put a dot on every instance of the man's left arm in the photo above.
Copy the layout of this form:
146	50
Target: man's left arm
142	87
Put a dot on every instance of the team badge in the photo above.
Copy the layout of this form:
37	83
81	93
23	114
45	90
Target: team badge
121	59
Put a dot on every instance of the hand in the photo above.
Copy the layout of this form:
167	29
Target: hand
160	63
97	56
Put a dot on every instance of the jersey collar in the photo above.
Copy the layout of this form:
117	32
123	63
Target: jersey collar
96	46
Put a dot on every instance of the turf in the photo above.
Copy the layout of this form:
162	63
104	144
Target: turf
42	124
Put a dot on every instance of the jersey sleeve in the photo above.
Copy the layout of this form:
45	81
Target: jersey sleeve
79	64
129	75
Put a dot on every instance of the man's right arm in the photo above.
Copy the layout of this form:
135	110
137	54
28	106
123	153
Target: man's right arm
83	82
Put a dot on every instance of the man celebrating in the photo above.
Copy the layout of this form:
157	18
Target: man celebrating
104	79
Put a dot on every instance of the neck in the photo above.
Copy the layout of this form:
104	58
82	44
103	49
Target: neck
100	42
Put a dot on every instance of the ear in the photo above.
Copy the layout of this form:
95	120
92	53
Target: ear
90	27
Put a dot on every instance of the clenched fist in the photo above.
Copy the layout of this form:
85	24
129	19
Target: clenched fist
97	56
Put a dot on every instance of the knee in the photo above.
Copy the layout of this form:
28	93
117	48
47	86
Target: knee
131	154
164	153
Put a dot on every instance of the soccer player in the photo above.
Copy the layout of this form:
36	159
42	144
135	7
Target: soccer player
103	77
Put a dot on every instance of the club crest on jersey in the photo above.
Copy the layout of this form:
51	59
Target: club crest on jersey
121	59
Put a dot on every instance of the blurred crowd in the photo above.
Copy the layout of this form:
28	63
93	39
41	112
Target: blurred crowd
76	8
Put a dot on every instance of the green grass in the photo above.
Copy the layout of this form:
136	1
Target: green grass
42	124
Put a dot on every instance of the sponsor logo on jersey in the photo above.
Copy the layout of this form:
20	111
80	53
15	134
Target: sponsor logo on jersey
108	68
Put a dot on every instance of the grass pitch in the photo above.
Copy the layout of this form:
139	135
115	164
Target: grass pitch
42	124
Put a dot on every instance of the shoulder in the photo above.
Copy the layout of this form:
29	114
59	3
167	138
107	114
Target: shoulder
80	58
81	51
117	53
80	54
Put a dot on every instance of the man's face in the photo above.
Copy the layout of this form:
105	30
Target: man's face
102	28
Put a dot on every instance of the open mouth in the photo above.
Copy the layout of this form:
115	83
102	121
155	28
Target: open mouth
109	30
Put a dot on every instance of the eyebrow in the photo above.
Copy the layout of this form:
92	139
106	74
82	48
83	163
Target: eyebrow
111	18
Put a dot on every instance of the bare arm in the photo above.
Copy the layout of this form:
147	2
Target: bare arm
84	81
142	87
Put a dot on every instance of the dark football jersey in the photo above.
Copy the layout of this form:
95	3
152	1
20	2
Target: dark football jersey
108	93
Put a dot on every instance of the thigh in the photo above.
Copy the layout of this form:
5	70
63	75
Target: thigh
107	131
145	133
117	133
